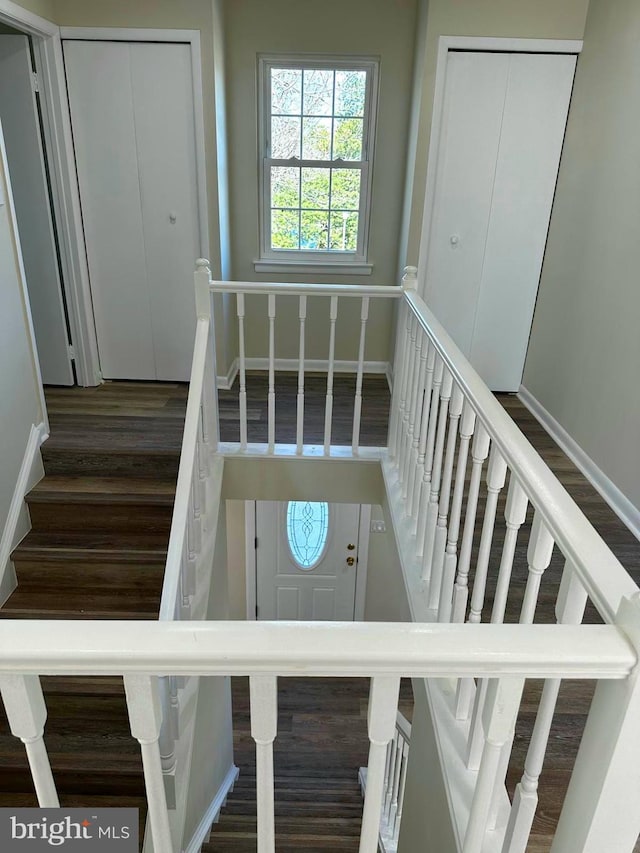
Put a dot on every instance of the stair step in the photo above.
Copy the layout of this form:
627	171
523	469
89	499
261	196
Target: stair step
49	604
305	809
119	517
66	576
141	463
75	489
94	546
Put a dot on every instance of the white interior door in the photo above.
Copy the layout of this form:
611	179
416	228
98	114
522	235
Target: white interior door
306	560
501	134
25	156
132	114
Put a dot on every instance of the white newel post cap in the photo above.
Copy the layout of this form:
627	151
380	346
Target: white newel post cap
410	278
202	264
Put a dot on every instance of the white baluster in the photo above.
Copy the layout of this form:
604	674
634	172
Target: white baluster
450	561
412	358
414	400
425	489
169	730
302	315
27	714
392	774
196	510
202	468
538	557
388	770
145	717
271	398
440	539
499	719
515	513
401	381
357	408
383	705
204	308
434	495
403	784
412	491
263	690
570	606
328	413
418	486
395	792
243	378
479	452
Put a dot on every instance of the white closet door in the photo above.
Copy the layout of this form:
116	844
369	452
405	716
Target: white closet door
493	199
133	124
25	156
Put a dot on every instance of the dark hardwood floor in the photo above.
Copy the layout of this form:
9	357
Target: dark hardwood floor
97	550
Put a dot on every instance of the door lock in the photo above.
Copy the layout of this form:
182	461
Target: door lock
350	547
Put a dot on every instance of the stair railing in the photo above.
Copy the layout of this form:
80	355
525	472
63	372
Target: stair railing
144	652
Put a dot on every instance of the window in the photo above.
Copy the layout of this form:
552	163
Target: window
307	529
317	122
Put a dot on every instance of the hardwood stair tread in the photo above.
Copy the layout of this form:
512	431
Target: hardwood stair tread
94	544
125	490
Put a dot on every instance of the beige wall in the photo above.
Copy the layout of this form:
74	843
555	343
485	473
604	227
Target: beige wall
44	8
381	28
584	353
386	599
20	405
497	18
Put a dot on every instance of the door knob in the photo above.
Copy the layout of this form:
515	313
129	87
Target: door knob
350	561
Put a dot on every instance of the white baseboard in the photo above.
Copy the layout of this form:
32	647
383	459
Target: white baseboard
18	522
225	382
203	829
317	365
619	502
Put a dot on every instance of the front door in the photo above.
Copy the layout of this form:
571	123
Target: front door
306	560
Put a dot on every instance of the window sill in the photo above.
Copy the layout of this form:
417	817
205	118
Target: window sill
310	267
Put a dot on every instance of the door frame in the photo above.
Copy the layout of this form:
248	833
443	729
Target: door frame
476	44
364	529
65	198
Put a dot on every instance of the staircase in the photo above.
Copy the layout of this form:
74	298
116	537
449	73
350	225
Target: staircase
97	549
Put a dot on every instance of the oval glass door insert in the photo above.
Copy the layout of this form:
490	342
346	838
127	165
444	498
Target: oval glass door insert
307	530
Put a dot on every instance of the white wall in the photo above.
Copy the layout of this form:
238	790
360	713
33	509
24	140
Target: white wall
365	27
584	352
21	404
386	599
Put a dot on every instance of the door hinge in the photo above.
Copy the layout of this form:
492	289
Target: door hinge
35	82
255	542
72	352
256	611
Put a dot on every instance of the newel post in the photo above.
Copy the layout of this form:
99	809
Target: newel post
204	311
601	806
409	282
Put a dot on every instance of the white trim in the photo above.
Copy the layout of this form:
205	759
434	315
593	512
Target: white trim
617	500
317	365
18	17
250	559
389	374
362	568
18	522
191	37
323	267
225	383
210	816
472	43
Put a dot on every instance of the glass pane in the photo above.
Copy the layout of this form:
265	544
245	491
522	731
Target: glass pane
350	93
307	529
347	138
318	92
285	186
285	91
345	189
284	229
314	229
344	231
316	138
285	138
315	188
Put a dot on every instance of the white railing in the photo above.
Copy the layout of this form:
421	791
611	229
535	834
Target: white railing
395	779
441	413
333	294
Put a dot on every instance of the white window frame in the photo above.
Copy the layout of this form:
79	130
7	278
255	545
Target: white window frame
297	260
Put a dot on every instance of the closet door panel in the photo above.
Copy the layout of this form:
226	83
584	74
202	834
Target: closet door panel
165	141
102	115
475	89
535	114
